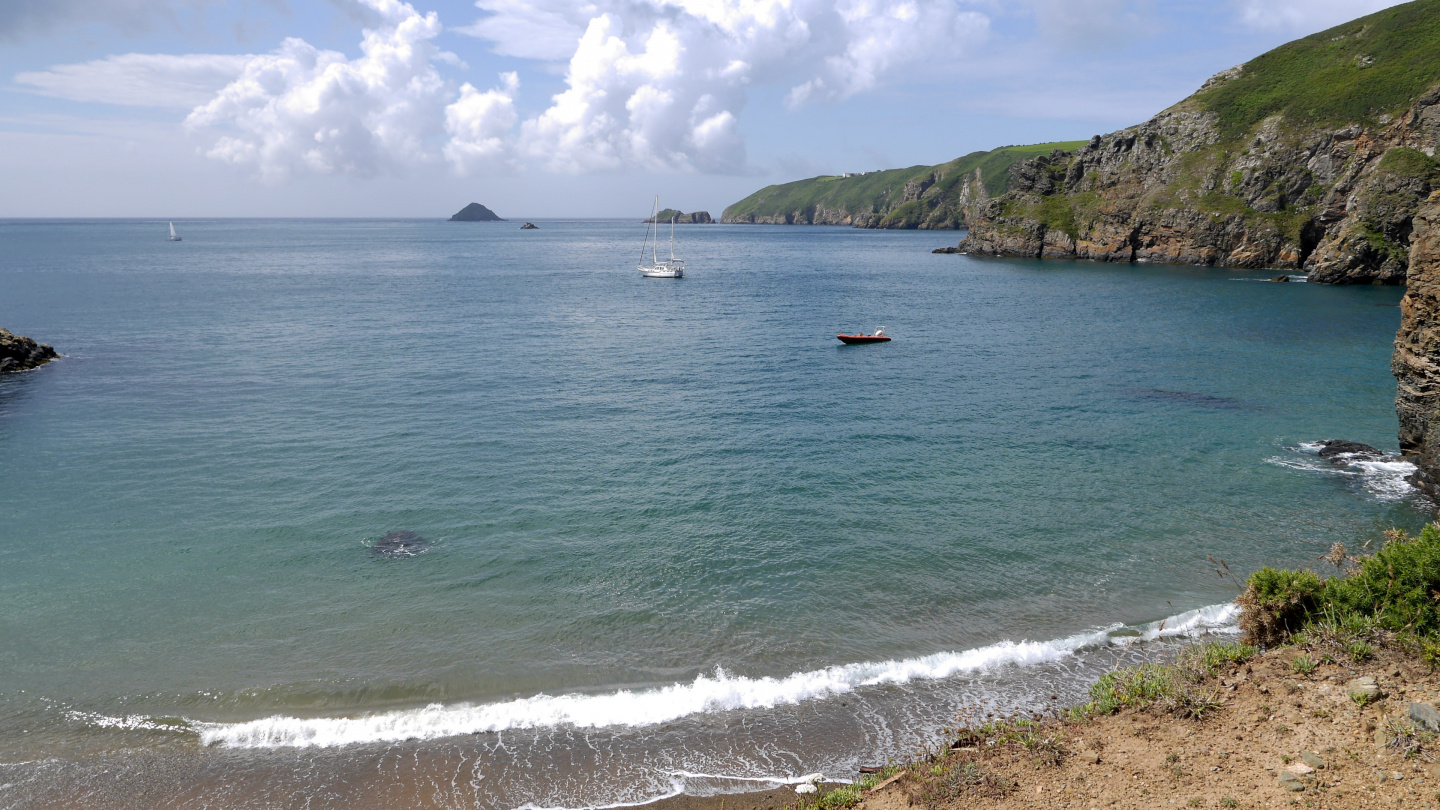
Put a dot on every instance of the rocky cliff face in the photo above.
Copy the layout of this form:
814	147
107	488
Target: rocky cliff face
1336	203
1416	361
21	353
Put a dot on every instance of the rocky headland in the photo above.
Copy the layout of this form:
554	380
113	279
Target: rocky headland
1313	157
682	218
918	197
475	212
19	353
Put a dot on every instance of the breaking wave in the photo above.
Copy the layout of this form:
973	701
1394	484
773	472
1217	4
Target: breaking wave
712	693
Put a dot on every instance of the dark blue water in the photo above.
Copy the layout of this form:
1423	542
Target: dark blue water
621	484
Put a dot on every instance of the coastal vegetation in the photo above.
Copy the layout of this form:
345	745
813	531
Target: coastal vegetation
925	197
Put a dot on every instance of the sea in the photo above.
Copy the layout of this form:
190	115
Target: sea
352	513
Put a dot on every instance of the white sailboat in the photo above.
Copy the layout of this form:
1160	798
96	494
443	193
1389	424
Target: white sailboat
658	267
174	237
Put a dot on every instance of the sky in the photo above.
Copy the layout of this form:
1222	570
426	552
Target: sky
568	108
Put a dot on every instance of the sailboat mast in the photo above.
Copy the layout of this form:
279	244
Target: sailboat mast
672	238
648	226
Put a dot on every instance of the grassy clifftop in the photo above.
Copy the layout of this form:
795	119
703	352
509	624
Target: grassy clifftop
1353	73
914	197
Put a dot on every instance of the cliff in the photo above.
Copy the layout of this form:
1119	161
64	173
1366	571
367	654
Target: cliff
682	218
475	212
1313	157
923	197
1416	361
21	353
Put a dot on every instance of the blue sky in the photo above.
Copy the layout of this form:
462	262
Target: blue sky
567	108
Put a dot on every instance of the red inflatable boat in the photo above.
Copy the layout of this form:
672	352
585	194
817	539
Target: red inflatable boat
878	337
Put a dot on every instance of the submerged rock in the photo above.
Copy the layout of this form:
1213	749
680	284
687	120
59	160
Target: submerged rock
19	353
400	544
1337	451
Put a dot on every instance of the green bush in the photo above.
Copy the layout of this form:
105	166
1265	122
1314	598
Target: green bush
1397	587
1277	603
1396	592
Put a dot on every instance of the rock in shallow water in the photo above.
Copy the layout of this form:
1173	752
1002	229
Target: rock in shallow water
400	544
1337	451
19	353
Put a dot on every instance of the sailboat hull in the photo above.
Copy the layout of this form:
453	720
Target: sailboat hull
661	272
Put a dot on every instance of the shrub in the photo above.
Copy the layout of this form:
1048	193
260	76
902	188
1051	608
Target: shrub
1276	603
1396	588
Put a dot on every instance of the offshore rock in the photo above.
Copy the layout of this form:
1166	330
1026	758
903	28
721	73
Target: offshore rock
19	353
682	218
1416	361
529	226
1338	451
475	212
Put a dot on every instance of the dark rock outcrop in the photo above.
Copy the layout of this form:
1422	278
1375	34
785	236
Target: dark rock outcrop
1338	451
529	226
682	218
19	353
1416	362
475	212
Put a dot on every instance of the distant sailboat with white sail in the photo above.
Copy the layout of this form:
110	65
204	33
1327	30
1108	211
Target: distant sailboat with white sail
658	267
174	237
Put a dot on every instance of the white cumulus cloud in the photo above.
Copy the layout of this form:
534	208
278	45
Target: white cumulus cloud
661	84
480	127
1305	16
305	109
652	85
139	79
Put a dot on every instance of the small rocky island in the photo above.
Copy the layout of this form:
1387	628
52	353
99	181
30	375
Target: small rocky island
475	212
19	353
682	218
529	226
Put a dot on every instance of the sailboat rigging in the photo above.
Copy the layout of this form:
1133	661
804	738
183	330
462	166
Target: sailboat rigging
658	267
174	237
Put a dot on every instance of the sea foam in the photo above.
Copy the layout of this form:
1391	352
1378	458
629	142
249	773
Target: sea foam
712	693
1386	479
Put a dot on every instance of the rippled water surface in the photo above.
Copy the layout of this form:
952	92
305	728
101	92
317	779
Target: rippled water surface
657	534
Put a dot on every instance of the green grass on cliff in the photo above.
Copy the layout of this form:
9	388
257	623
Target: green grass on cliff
882	192
1352	73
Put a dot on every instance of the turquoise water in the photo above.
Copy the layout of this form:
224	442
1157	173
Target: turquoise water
625	484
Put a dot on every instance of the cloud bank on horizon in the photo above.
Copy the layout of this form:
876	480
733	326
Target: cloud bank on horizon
650	85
